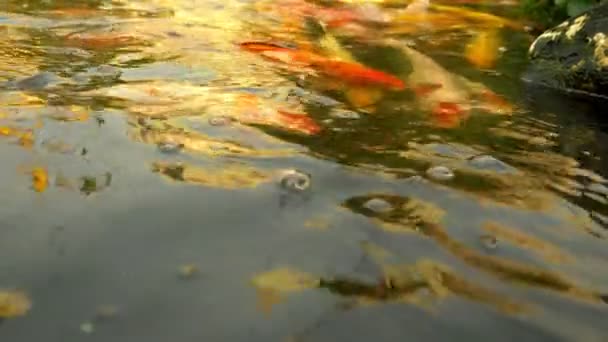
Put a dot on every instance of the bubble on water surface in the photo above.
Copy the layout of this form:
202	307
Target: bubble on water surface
87	328
489	242
440	173
294	180
188	271
489	163
378	205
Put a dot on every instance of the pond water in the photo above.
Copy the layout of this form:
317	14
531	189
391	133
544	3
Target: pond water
205	170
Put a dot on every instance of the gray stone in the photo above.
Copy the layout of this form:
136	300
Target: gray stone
573	56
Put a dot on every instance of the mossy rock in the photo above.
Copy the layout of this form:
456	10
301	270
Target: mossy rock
573	56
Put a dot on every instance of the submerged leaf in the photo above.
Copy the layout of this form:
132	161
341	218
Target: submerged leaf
285	280
40	179
13	303
6	131
26	139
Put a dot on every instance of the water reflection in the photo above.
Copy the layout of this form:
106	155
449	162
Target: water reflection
412	215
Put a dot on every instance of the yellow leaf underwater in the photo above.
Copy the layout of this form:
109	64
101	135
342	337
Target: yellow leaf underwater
284	280
26	139
6	131
13	303
40	179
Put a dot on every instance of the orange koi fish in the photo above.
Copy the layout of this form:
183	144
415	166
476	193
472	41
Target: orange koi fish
496	101
448	114
447	109
335	17
348	72
358	74
292	57
262	46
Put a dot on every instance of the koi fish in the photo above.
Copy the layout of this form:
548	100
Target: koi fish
262	46
291	57
496	102
482	51
447	115
470	14
335	17
351	73
447	109
358	74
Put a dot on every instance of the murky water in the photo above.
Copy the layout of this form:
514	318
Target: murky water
161	183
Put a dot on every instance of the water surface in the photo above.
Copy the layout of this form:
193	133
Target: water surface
154	189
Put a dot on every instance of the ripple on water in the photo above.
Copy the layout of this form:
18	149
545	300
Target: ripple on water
489	163
166	71
39	81
173	77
